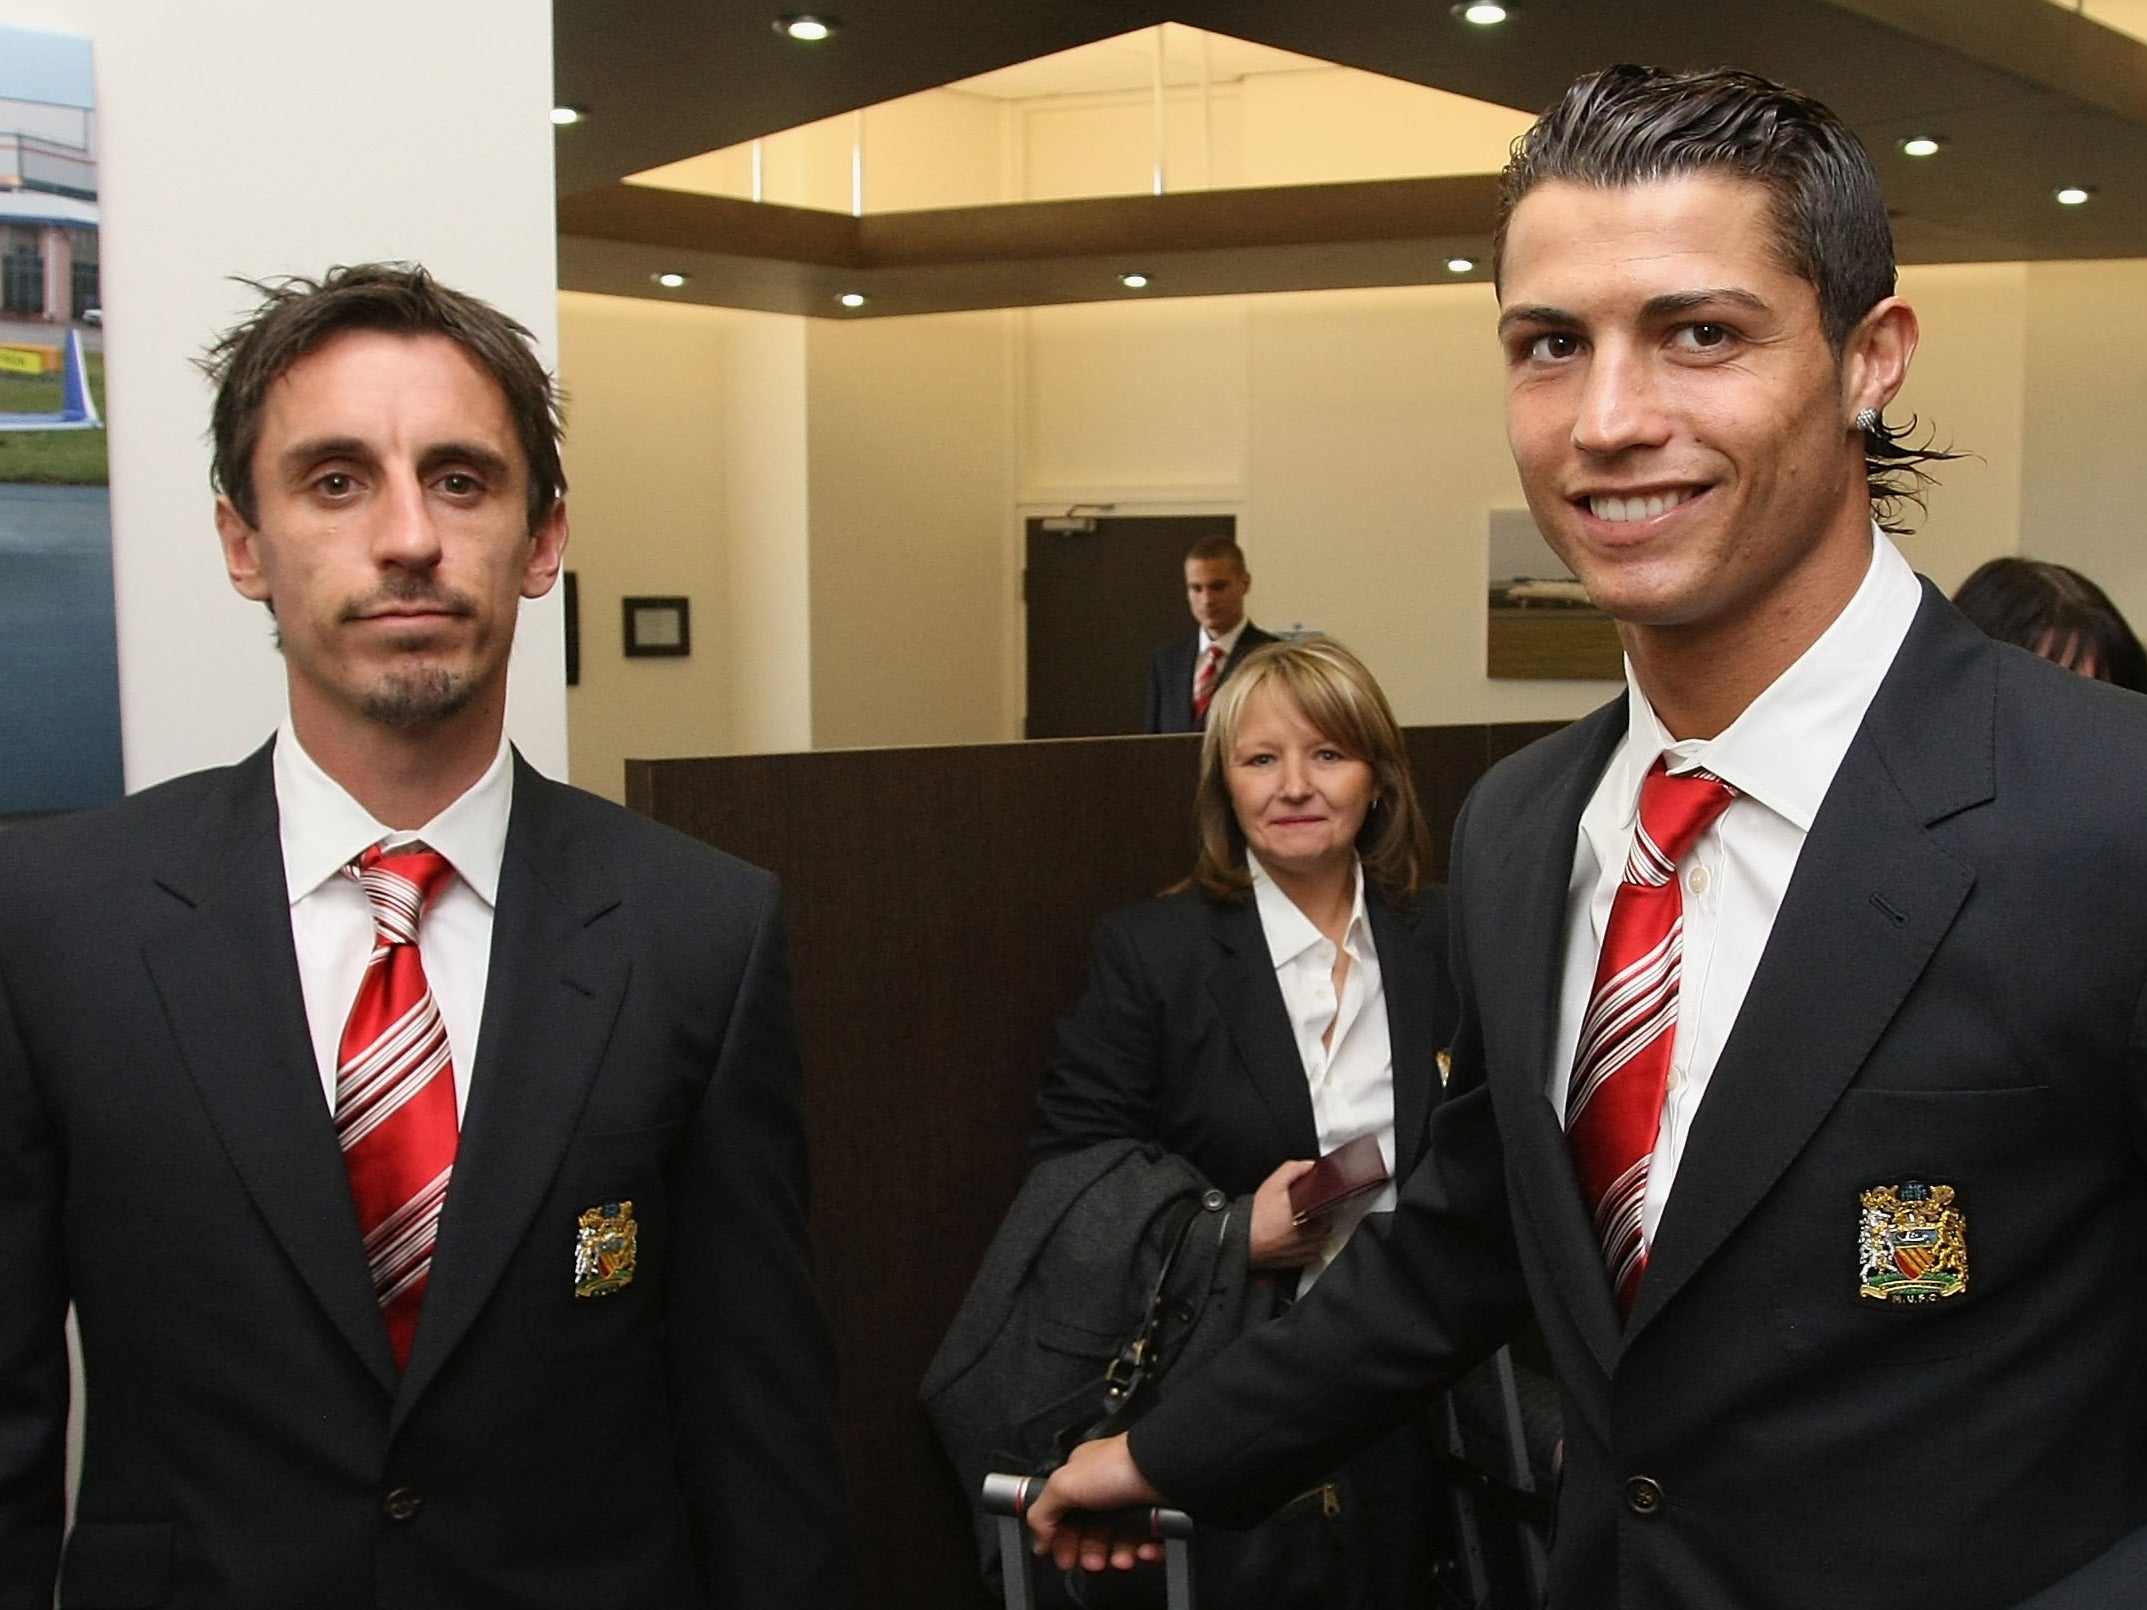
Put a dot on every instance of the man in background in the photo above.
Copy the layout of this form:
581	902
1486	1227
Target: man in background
1801	1076
1183	676
417	1139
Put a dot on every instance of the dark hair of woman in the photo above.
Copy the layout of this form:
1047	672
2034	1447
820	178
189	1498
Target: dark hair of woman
2054	611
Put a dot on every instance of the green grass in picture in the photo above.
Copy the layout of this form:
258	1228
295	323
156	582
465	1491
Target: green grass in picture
54	457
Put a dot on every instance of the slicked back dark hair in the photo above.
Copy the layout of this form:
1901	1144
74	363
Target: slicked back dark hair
299	316
1630	125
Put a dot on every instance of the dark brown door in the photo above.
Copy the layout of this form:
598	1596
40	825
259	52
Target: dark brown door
1101	601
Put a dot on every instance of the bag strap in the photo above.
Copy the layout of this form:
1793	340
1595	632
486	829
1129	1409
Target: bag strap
1139	1360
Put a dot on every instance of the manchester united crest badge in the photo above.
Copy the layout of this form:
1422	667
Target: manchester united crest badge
1912	1244
604	1248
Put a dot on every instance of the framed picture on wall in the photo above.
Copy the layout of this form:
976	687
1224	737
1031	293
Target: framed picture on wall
656	627
1541	623
573	625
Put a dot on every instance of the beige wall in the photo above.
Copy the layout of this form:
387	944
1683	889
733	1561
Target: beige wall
873	476
911	426
1356	436
2086	422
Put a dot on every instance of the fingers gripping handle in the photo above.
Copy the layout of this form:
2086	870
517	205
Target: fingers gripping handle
1009	1498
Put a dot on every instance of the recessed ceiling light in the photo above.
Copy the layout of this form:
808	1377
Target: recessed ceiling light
566	116
1134	282
1483	13
1921	145
806	27
2075	195
670	279
852	299
1460	265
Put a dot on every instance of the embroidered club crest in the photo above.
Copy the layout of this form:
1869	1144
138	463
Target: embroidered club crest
1912	1246
604	1245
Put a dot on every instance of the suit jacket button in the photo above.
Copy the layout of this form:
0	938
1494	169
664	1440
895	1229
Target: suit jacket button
1643	1495
402	1504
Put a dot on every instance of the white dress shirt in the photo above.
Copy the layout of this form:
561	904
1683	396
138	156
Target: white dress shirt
1781	755
322	829
1343	1045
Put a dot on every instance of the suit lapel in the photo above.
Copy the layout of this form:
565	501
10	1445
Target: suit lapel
1250	1000
1518	998
228	979
1872	896
1408	977
551	997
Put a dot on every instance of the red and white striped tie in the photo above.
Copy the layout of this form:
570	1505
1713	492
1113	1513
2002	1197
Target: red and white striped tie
395	1089
1204	680
1622	1065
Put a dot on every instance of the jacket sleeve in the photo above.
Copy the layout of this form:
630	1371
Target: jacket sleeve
750	1358
33	1344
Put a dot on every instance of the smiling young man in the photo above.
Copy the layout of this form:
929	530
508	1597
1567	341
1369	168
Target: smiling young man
1799	1084
416	1139
1183	676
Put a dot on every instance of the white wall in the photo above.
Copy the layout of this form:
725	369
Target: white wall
239	138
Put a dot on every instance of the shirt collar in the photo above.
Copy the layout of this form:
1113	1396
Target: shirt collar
1785	747
323	828
1228	642
1290	933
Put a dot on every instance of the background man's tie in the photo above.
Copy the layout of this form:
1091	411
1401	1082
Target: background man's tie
1204	680
395	1089
1622	1064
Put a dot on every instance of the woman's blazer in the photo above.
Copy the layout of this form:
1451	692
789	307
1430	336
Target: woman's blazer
1183	1038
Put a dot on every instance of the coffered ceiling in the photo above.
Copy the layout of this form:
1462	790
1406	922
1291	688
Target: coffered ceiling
2028	94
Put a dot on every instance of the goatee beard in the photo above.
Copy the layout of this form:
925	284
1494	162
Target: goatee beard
419	698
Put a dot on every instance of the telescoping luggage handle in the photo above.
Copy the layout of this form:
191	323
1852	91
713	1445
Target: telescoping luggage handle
1009	1497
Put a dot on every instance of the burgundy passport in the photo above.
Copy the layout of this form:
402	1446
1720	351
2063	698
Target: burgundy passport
1350	1170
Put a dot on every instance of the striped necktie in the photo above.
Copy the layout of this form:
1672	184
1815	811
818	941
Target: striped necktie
395	1089
1210	673
1622	1064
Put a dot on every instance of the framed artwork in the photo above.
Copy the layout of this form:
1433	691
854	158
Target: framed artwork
1541	625
572	611
656	627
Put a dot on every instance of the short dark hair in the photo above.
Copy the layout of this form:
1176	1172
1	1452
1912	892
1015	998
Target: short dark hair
1217	547
1338	696
298	316
1629	125
2054	611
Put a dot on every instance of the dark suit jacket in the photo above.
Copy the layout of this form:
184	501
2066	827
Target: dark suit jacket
167	1164
1170	678
1952	992
1183	1039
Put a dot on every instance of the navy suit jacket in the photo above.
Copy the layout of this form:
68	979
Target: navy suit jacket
1954	991
167	1164
1170	678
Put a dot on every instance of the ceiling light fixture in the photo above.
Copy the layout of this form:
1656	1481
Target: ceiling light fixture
670	279
1460	265
1921	145
1134	282
852	299
2075	195
567	116
805	27
1483	13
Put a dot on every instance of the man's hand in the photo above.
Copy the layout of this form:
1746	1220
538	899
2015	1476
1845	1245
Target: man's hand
1100	1477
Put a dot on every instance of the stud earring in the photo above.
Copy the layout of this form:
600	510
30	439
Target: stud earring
1867	420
